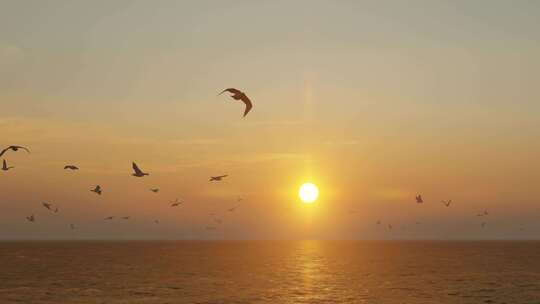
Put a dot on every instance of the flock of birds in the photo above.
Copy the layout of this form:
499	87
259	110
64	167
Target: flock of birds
420	200
137	172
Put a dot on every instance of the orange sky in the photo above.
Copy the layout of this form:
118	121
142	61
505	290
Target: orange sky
372	102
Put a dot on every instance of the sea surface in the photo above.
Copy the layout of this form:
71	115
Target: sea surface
269	272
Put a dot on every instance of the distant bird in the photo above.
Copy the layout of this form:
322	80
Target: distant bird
417	223
31	218
447	203
217	178
97	190
156	221
137	172
483	213
239	95
239	199
232	209
109	218
72	226
125	217
419	199
176	203
55	210
390	227
5	166
14	149
47	205
71	167
155	190
378	222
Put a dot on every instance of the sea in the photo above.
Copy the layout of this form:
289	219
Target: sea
270	272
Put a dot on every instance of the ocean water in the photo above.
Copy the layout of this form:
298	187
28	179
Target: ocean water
269	272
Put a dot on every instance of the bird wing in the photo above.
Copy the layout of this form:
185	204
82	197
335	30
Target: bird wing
249	104
21	147
136	168
231	90
5	164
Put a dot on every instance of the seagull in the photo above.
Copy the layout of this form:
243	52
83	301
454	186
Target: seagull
47	205
217	178
97	190
56	210
71	167
378	222
176	203
419	199
156	221
5	166
155	190
232	209
109	218
31	218
137	171
125	217
72	226
239	95
14	149
447	203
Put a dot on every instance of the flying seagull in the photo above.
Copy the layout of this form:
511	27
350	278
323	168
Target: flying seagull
5	166
378	222
239	95
31	218
156	221
47	205
155	190
14	149
55	210
109	218
447	203
125	217
217	178
232	209
71	167
176	203
419	199
137	171
97	190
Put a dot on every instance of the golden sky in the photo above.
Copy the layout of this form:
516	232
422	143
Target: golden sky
374	102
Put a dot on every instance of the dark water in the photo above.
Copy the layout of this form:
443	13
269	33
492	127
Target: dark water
270	272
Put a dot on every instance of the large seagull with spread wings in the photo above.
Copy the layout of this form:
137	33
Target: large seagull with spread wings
239	95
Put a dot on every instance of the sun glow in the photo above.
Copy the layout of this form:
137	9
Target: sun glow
308	193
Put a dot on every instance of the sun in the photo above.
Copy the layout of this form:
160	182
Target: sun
308	193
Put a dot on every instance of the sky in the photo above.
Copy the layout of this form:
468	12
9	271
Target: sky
372	101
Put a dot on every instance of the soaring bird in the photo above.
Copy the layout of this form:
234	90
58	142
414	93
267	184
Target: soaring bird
47	205
217	178
71	167
155	190
176	203
419	199
137	172
55	210
97	190
125	217
378	222
447	203
31	218
5	166
232	209
14	149
156	221
239	95
109	218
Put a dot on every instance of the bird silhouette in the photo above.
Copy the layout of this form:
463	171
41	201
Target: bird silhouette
155	190
378	222
31	218
55	210
125	217
232	209
176	203
239	95
97	190
485	213
47	205
137	172
390	227
5	166
156	221
108	218
217	178
419	199
447	203
71	167
14	149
